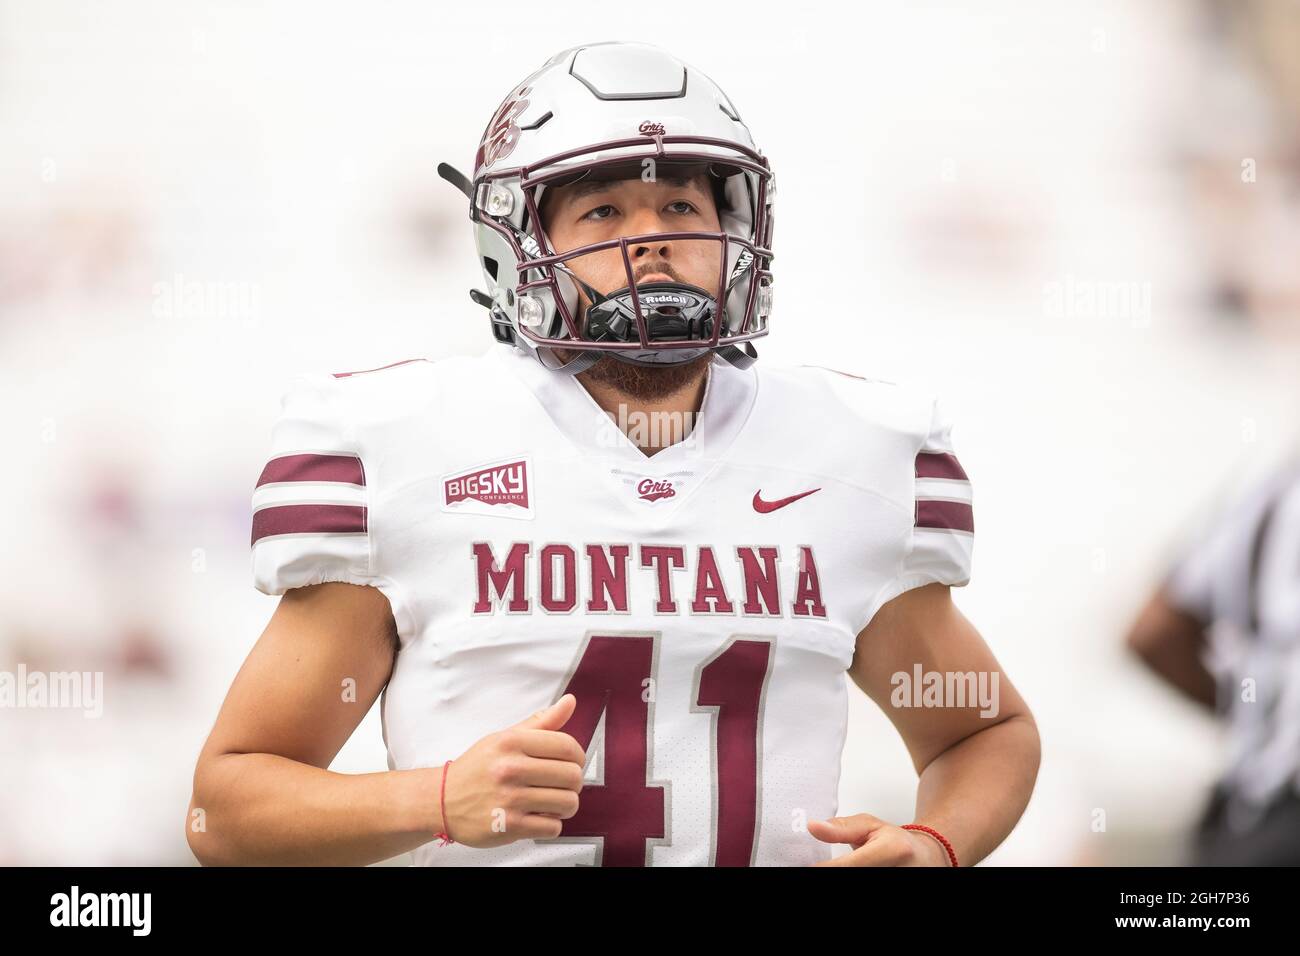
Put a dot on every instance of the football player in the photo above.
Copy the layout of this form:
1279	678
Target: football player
1222	629
610	576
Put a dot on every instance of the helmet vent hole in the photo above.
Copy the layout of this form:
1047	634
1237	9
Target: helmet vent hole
491	266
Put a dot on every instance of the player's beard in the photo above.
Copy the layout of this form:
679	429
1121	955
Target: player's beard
646	383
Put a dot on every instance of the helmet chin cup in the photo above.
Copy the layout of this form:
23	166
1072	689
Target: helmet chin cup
671	311
658	359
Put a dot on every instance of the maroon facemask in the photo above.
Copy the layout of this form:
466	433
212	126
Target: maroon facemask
656	323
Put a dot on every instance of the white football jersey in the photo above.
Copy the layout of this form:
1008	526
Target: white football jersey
1239	580
702	603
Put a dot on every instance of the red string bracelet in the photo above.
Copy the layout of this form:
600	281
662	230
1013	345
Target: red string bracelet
937	835
444	837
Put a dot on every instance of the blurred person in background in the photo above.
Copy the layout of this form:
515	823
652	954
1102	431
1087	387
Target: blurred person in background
1223	628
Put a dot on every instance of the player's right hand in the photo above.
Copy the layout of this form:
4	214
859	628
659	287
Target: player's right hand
518	783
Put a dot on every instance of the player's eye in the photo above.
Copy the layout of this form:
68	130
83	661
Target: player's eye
682	202
589	215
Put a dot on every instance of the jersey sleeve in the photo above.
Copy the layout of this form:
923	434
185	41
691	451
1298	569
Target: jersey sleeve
943	517
938	546
310	523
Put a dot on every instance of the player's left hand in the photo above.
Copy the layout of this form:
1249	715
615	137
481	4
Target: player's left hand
877	843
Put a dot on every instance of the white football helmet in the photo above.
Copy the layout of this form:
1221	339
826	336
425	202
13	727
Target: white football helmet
608	106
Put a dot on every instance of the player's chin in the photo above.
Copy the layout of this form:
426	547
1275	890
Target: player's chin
646	382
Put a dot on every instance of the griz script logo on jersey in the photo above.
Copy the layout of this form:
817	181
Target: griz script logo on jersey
652	490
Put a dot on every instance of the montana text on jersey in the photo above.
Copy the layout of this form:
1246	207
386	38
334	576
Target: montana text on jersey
702	603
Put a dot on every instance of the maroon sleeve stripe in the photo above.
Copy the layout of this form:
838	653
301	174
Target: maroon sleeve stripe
930	464
947	515
366	371
308	519
308	467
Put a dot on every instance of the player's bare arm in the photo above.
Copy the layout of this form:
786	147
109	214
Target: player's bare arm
263	795
976	770
1171	642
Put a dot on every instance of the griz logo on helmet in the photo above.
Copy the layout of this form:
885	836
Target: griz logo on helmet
651	129
503	131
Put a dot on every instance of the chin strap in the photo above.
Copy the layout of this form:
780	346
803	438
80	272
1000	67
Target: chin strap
579	363
457	179
740	358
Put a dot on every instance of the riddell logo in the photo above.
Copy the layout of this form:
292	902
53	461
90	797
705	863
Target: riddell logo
652	129
503	485
652	490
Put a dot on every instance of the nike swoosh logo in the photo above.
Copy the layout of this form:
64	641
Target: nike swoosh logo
763	507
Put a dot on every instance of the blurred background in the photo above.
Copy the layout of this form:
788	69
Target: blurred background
1078	224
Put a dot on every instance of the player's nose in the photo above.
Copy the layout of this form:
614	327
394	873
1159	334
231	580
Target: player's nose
651	254
646	221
